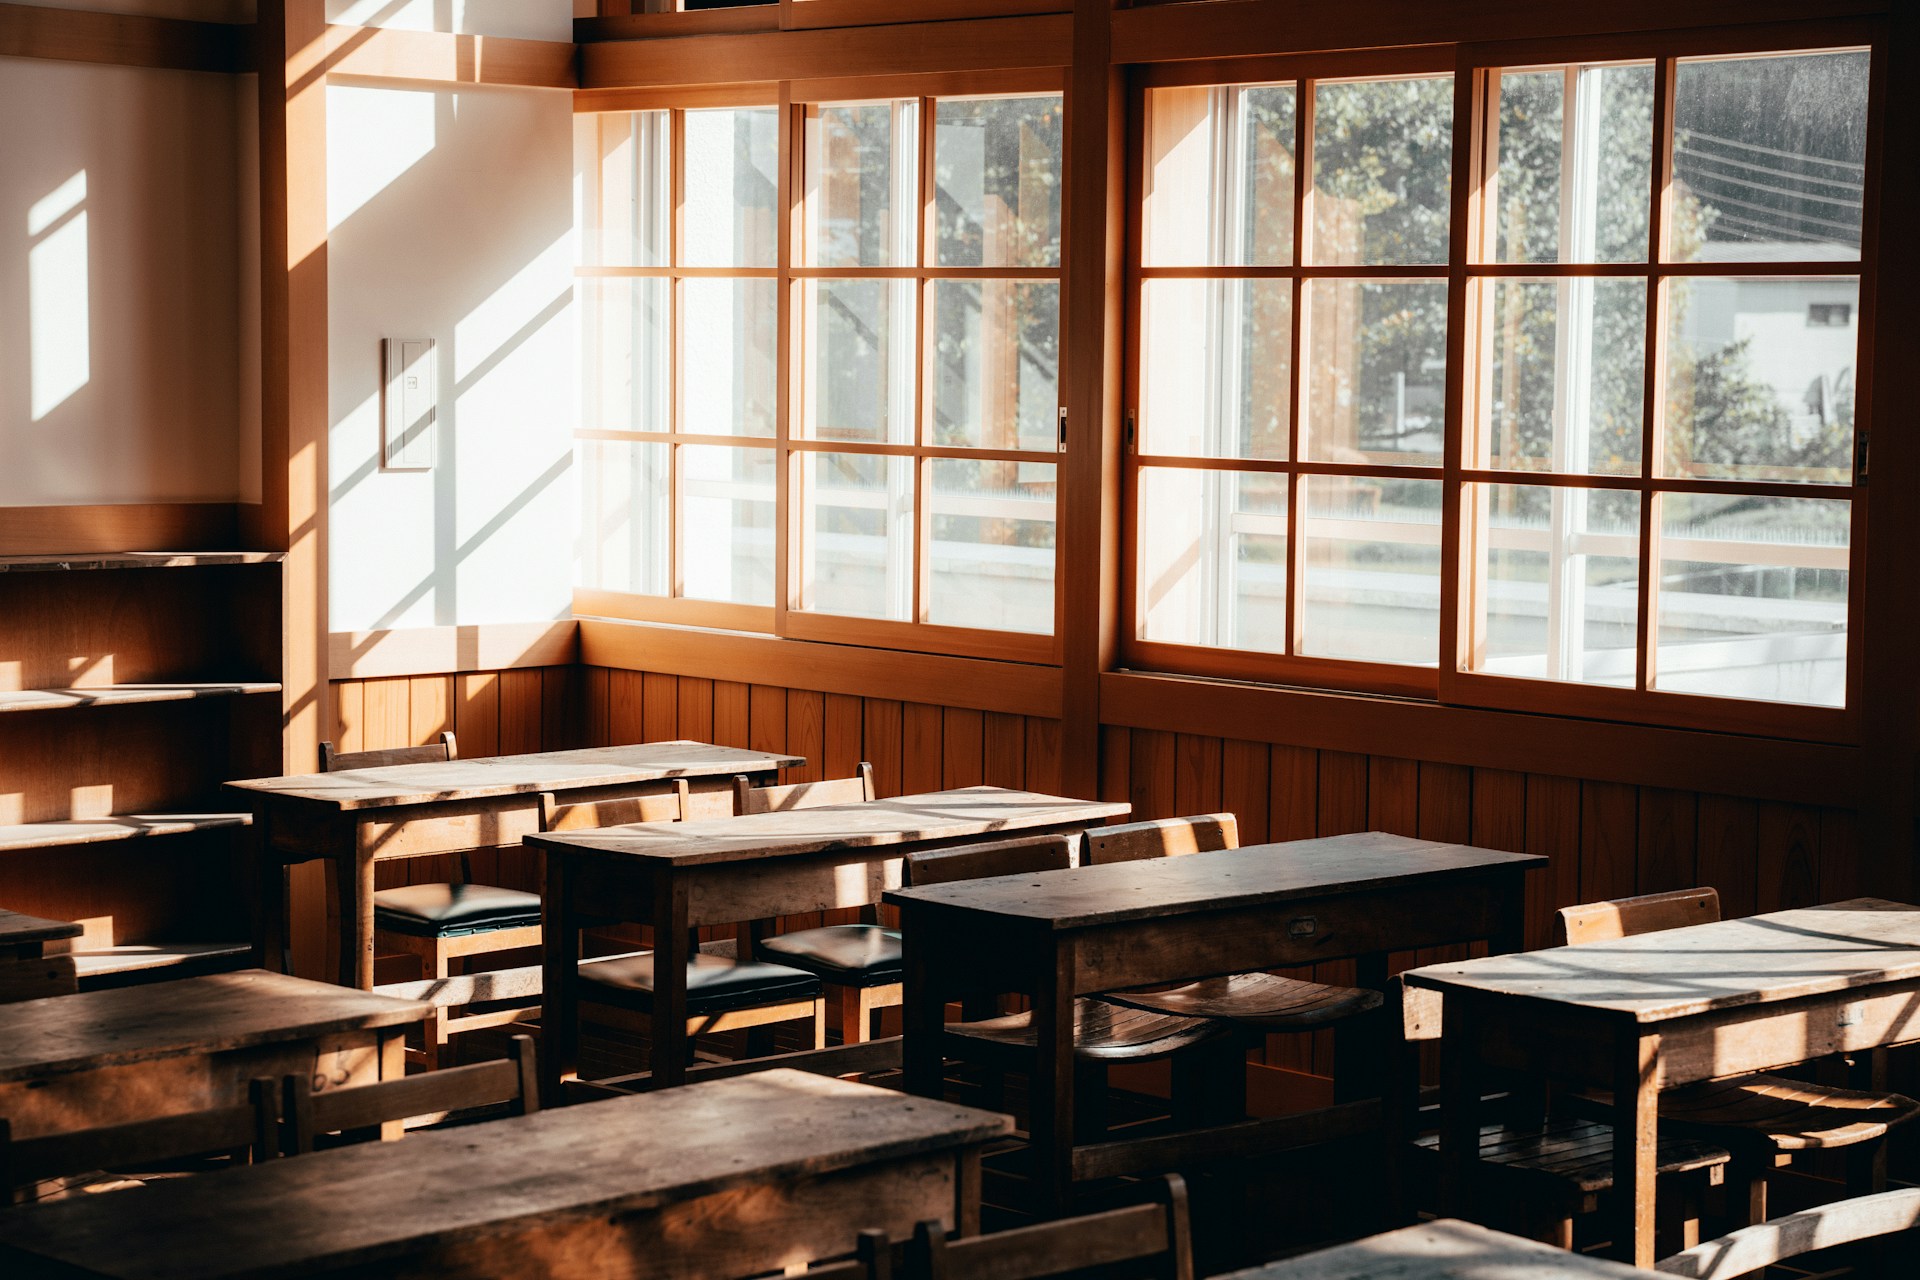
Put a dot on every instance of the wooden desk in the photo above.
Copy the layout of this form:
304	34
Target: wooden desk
27	970
678	875
1443	1250
360	817
1062	934
722	1179
136	1053
1642	1014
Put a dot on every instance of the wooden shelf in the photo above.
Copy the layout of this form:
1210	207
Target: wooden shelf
101	967
122	826
137	560
122	695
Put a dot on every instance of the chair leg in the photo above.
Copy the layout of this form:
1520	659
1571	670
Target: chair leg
853	1015
434	1035
1756	1197
1867	1168
820	1022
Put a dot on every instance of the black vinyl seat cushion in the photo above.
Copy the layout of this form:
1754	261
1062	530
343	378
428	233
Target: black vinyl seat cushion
450	910
715	984
847	955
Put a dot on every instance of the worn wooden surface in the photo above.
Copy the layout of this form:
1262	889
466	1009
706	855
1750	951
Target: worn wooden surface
123	826
135	560
118	695
539	1195
485	777
1677	973
914	819
1443	1250
17	931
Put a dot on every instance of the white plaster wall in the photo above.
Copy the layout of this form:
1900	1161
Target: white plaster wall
520	19
122	268
452	219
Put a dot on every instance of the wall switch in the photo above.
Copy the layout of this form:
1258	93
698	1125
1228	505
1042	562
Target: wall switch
411	404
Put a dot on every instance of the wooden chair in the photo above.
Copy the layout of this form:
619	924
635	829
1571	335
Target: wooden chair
1750	1250
379	1110
1155	1232
1765	1120
748	798
439	751
246	1131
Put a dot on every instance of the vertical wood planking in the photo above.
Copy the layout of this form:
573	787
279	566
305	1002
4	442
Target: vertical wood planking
1668	823
1151	764
595	684
350	714
1043	755
389	716
1446	803
920	731
1553	830
807	735
1293	803
1840	877
1609	838
1727	842
625	706
1116	764
840	736
766	717
694	705
1342	793
730	713
476	714
1393	795
1196	773
1243	787
1004	750
883	744
1500	810
659	708
559	709
1786	856
962	748
520	711
430	708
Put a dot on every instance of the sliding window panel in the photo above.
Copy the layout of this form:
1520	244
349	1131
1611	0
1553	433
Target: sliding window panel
1376	375
729	214
727	524
1216	374
1382	171
994	533
626	529
1565	376
862	173
627	354
996	363
860	347
1220	175
729	366
1213	558
996	181
1575	149
1372	569
858	535
630	218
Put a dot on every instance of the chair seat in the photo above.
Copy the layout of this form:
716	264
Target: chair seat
1102	1032
1577	1153
449	910
847	955
715	984
1261	1001
1787	1115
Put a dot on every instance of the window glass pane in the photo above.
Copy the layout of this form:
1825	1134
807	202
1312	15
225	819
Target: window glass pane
1760	378
726	546
627	351
996	180
1574	181
632	164
1557	583
728	367
859	529
862	179
1372	550
1213	558
1382	163
729	218
1753	598
1216	367
1566	376
993	540
1769	158
1220	176
996	371
624	510
859	376
1376	371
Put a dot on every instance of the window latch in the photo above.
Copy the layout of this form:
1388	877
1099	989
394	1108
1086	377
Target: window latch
1063	428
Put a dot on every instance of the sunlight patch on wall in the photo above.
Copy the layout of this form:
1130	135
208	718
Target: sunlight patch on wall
62	360
373	137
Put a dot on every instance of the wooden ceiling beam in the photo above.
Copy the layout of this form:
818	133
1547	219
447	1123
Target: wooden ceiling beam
386	53
127	40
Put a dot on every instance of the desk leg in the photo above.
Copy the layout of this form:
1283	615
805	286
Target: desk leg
353	886
1459	1112
1050	1093
267	893
559	979
393	1066
1360	1049
922	1012
670	959
1636	1134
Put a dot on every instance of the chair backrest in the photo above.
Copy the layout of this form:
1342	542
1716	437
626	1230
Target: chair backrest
439	751
358	1111
748	798
1625	917
1751	1249
1161	838
1018	857
616	811
1156	1231
244	1129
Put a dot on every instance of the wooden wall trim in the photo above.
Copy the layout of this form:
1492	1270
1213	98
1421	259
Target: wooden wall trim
1600	751
969	683
386	53
424	651
127	40
150	526
1162	33
986	44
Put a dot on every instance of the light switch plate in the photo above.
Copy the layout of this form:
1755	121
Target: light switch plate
410	403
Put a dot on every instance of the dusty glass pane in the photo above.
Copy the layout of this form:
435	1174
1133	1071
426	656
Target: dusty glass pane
632	167
996	363
996	181
859	371
1372	554
1769	158
1566	376
1213	558
730	214
993	541
728	367
1216	367
861	176
727	523
1557	583
1376	371
627	352
625	537
1760	377
859	535
1220	176
1576	164
1753	598
1382	164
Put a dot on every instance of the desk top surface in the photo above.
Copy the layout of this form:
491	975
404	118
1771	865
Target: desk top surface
17	930
357	1205
219	1012
917	819
1255	875
1675	973
392	786
1445	1250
